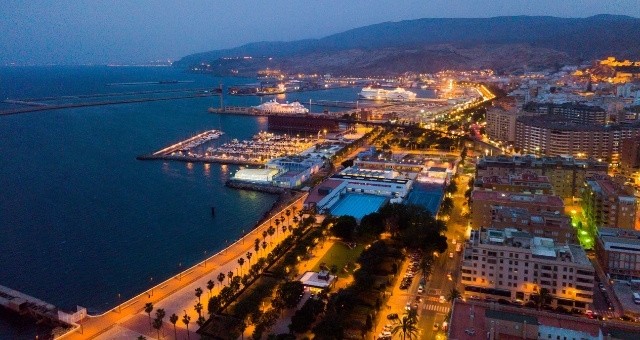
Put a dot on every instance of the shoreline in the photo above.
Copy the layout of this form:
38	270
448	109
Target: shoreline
284	201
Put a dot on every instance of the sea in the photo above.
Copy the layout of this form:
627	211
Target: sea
82	221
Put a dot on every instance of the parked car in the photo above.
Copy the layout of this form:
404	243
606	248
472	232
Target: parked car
392	316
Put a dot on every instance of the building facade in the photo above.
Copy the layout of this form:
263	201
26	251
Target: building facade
542	224
566	174
553	135
618	252
484	203
606	204
516	266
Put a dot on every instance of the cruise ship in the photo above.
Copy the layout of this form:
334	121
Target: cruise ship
273	106
398	94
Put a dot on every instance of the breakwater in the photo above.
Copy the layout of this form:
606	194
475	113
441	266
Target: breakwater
33	108
270	189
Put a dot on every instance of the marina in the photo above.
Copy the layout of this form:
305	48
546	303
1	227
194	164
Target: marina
257	151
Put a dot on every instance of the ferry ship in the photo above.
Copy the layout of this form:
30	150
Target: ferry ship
398	94
273	106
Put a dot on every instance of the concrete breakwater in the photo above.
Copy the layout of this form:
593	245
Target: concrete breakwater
255	187
196	159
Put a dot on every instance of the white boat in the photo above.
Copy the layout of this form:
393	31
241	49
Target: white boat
273	106
398	94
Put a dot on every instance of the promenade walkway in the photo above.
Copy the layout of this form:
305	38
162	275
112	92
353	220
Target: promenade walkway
177	294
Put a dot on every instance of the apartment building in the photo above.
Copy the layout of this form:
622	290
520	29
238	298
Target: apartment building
618	252
554	135
556	226
483	204
566	174
514	265
526	182
607	204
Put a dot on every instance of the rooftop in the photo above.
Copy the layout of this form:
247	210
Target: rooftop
499	197
557	122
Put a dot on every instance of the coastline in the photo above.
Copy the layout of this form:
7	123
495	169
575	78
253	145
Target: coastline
96	325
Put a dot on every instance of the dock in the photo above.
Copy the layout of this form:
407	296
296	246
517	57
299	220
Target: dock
239	110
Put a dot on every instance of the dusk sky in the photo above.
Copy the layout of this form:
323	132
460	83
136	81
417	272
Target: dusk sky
75	32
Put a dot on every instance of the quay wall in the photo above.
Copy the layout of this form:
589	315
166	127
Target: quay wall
192	159
270	189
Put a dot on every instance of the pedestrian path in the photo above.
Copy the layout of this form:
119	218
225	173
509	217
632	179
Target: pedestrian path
437	308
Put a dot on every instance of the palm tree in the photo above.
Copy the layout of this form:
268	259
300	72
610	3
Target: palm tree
284	229
264	245
407	326
241	262
288	213
296	220
185	319
271	231
543	298
198	308
256	245
277	223
453	294
173	319
148	308
157	324
198	293
249	254
221	277
264	235
210	285
230	276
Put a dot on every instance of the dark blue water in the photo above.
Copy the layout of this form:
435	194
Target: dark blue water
81	220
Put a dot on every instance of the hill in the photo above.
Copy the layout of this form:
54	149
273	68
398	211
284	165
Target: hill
429	45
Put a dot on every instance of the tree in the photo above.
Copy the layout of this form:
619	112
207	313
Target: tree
173	319
185	319
214	304
157	324
371	224
210	286
451	188
344	228
241	262
198	307
230	276
278	223
249	254
543	298
290	293
148	308
407	326
198	293
221	277
264	235
264	245
271	231
446	207
453	295
288	213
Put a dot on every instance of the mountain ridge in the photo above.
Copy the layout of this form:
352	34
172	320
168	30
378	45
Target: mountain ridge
538	38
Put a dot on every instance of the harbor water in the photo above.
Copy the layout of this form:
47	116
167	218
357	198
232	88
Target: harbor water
85	223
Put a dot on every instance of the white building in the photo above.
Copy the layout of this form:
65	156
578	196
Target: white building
513	265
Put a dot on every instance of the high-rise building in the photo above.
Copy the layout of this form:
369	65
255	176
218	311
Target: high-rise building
501	124
514	265
574	112
553	135
630	159
607	204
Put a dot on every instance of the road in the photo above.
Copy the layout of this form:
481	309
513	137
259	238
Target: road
429	306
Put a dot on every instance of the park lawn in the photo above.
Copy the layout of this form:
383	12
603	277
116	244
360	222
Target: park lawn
340	255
